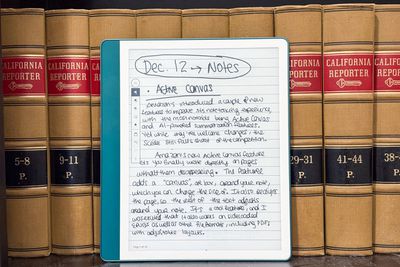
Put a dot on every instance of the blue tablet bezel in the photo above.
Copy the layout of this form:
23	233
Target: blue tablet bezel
110	150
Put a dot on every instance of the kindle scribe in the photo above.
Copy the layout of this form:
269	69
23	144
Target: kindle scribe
195	150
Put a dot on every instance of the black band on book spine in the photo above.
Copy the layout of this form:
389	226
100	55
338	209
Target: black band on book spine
26	168
70	166
96	166
387	164
306	166
348	166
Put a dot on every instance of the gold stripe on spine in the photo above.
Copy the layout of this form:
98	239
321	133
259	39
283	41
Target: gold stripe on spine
159	12
103	24
306	122
69	126
348	114
25	126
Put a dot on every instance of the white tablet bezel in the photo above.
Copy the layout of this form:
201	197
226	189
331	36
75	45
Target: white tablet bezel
285	251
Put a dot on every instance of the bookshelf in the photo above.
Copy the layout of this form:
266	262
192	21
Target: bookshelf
94	260
324	261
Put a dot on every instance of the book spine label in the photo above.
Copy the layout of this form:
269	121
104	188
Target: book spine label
387	164
306	166
68	76
95	76
387	72
305	73
26	168
70	167
348	72
96	166
348	166
24	75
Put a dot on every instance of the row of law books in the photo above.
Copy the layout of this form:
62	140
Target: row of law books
345	127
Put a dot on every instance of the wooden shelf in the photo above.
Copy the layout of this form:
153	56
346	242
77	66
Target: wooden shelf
325	261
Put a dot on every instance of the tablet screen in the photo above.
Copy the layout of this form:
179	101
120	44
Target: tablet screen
204	150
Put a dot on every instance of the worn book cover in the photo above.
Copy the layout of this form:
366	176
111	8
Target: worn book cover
251	22
68	77
205	23
387	130
25	131
159	23
302	27
348	41
103	24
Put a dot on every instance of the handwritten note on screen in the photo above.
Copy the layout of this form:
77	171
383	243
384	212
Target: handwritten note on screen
204	149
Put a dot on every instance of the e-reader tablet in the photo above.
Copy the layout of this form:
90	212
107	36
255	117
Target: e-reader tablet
195	150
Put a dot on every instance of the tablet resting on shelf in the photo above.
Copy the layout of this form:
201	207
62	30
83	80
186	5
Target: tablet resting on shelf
195	150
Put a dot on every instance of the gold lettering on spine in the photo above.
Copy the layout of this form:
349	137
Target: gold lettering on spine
68	66
95	67
304	63
68	76
348	62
